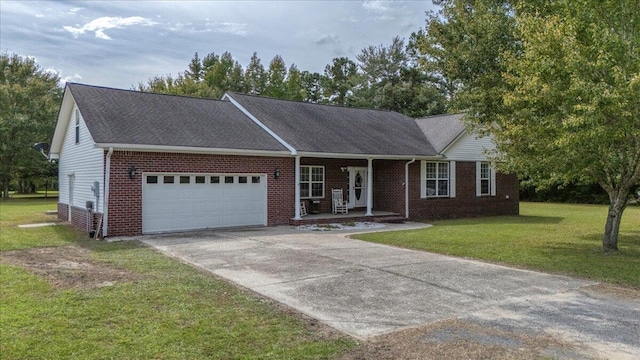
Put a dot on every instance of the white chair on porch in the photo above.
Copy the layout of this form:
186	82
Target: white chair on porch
338	203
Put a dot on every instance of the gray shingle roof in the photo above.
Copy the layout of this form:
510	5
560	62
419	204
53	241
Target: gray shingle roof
333	129
441	130
133	117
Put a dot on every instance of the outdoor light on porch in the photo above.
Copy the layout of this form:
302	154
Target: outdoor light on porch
276	173
132	171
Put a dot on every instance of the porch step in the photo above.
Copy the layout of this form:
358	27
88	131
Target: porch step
391	220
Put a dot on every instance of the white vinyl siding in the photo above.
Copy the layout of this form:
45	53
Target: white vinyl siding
485	179
469	147
437	179
82	160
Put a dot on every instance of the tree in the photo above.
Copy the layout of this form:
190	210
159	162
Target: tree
276	76
339	79
391	80
555	83
312	86
254	76
196	70
29	101
293	85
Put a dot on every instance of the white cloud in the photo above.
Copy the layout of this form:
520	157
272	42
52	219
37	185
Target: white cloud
375	6
75	10
99	25
218	27
71	78
231	28
39	15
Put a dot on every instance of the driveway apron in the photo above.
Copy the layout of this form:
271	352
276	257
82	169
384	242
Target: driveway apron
366	289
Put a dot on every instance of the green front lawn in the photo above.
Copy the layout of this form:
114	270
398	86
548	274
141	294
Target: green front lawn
163	309
557	238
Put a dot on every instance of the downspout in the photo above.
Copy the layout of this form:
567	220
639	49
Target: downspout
406	187
105	206
296	190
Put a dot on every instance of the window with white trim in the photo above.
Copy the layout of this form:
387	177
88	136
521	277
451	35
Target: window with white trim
436	178
485	179
311	182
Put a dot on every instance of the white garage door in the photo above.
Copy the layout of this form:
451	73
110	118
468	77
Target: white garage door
174	202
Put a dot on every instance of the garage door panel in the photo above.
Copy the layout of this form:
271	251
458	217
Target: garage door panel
185	206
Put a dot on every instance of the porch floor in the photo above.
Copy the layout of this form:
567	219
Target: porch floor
327	218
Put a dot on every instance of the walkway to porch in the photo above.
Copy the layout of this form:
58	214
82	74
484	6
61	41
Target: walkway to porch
327	218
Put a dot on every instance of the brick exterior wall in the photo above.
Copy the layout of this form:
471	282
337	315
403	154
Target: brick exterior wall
63	211
125	194
466	203
125	199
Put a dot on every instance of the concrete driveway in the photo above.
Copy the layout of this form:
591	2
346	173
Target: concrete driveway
365	289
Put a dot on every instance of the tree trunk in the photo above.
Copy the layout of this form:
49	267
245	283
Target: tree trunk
5	189
612	227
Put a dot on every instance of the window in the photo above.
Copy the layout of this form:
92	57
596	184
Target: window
311	181
255	179
152	179
485	179
228	179
438	179
242	179
168	180
199	179
185	179
215	179
77	126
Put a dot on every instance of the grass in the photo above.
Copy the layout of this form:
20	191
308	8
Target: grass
170	311
16	211
556	238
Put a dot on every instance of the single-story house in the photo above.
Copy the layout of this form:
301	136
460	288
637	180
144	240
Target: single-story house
140	163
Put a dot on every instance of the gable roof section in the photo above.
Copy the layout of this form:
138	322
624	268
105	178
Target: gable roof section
441	130
129	117
314	128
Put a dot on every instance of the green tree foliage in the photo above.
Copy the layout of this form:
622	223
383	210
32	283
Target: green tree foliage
385	77
29	101
557	84
196	70
391	80
294	86
254	76
312	86
339	80
276	77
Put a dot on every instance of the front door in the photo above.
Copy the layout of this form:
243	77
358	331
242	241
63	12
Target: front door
357	187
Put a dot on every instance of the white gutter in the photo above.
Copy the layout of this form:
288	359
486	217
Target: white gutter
406	187
259	123
367	156
105	206
191	149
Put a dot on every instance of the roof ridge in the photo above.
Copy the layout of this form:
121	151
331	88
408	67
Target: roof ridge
145	92
312	103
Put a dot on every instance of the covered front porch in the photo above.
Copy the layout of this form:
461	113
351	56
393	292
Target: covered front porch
374	189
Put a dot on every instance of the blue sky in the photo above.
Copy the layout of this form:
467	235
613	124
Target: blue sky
122	43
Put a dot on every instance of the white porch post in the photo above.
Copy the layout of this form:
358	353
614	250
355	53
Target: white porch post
297	190
369	187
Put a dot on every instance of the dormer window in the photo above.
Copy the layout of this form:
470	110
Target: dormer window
77	126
